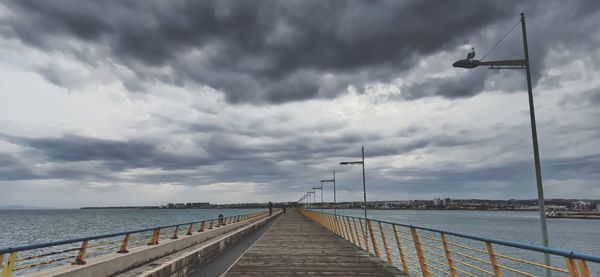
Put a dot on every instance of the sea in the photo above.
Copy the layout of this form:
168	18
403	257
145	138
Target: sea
24	227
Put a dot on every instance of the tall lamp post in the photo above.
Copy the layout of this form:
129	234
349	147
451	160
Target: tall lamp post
522	64
334	200
362	162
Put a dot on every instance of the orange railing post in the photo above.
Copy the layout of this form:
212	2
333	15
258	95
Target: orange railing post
201	229
493	261
189	231
124	245
154	237
356	232
585	271
571	267
364	233
80	259
175	233
419	251
385	245
350	230
448	255
375	248
400	251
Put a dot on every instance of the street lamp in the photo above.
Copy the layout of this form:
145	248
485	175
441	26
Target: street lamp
522	64
332	181
362	162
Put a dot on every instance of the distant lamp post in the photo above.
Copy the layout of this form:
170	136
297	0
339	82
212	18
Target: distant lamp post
321	188
521	64
334	200
361	162
309	196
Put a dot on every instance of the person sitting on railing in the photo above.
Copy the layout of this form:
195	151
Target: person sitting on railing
220	219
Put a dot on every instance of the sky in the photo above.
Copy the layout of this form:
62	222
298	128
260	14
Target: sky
148	102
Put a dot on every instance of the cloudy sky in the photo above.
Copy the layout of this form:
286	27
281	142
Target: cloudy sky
147	102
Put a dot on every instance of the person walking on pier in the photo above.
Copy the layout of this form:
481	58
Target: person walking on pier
270	208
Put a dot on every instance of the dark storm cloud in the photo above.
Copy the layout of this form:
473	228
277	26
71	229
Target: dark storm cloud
518	177
255	51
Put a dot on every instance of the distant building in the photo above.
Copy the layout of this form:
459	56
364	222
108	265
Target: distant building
598	207
447	202
437	202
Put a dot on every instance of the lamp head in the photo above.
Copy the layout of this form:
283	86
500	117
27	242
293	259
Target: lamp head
466	63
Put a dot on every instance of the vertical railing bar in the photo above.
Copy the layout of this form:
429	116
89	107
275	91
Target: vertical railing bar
493	261
448	255
175	233
585	271
124	245
419	251
10	265
190	230
375	248
571	267
80	259
364	233
350	230
400	251
385	245
356	232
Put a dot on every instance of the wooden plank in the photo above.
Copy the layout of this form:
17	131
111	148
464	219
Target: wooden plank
296	245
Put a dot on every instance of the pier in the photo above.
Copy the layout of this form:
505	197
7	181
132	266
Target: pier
299	242
296	245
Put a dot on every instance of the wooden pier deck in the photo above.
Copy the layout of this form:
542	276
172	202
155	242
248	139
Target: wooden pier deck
295	245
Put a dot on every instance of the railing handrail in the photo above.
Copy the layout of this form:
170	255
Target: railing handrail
69	241
549	250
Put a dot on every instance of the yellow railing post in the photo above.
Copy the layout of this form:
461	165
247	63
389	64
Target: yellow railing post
493	261
10	265
154	237
388	255
356	232
342	228
571	267
337	226
332	224
201	229
400	251
448	255
350	230
124	245
189	231
364	233
585	271
80	259
375	248
175	233
345	230
419	251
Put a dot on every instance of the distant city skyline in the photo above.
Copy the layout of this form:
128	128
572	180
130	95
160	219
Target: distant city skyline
112	103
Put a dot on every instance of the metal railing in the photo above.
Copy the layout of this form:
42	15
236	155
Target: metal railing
428	252
75	251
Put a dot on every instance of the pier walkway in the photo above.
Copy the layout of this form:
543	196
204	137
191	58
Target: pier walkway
296	245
